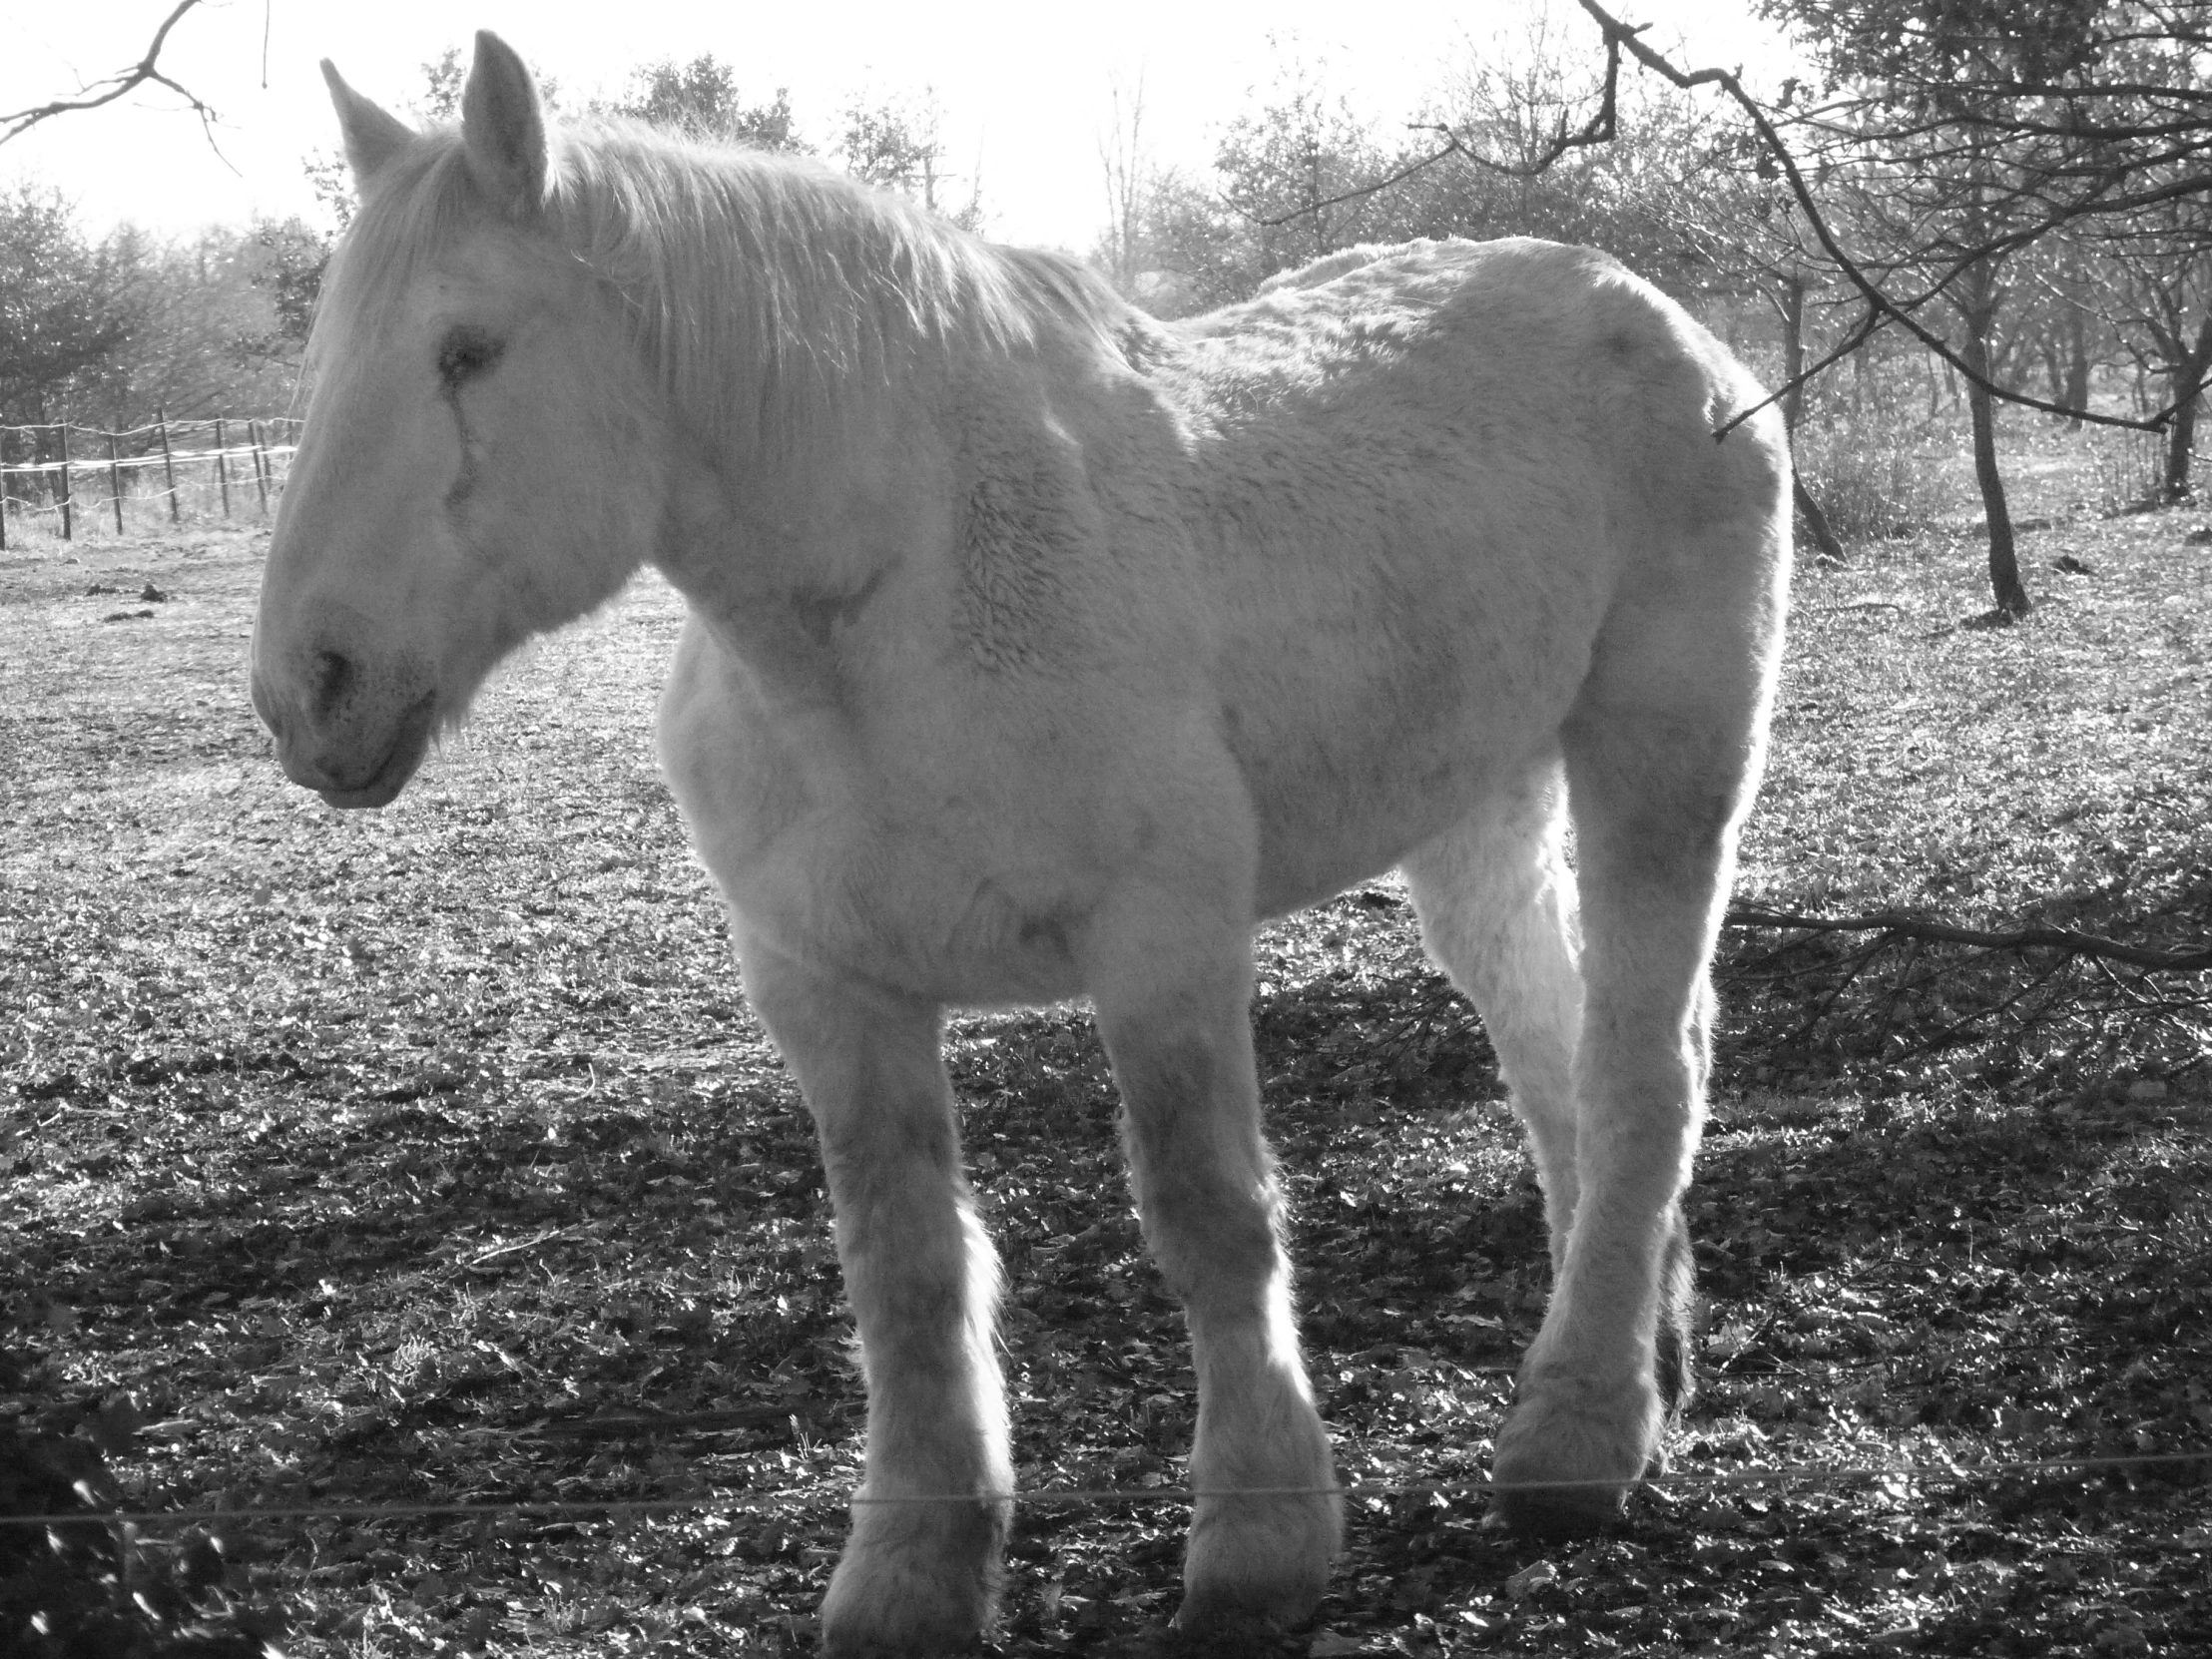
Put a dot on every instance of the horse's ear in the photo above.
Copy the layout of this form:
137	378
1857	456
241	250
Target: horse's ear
372	136
502	126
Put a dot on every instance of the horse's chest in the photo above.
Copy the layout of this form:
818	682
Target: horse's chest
942	879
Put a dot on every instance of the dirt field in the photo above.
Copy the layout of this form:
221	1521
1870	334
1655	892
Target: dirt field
432	1156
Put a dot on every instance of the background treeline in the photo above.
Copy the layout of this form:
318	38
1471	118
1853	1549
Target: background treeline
109	332
1960	151
1959	203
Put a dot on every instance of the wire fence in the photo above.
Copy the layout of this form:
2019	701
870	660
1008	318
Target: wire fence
1674	1483
70	480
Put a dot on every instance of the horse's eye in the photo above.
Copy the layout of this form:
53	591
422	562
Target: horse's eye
466	353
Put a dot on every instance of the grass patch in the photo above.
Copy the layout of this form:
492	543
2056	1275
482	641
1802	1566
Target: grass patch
433	1154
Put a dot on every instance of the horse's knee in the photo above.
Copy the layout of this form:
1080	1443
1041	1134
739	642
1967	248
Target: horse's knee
1200	1168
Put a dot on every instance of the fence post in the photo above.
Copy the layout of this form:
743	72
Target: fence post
169	462
3	489
221	472
115	484
69	499
260	463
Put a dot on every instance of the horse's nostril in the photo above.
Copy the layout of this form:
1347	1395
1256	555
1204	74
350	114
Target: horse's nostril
334	677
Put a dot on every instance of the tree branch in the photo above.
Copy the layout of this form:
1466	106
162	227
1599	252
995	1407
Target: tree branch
1306	210
148	69
1601	128
1621	36
1896	925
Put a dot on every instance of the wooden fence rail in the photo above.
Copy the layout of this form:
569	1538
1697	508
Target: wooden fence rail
41	476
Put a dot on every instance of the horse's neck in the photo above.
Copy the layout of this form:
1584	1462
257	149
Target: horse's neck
784	563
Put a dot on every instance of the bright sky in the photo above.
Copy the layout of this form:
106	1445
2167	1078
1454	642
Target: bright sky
1025	89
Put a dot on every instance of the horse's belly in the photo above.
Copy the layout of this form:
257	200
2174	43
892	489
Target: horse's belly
1325	826
1350	777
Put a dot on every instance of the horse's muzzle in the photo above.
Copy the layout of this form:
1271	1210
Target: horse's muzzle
341	748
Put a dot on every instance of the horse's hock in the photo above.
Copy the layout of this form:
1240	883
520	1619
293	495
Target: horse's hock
1039	649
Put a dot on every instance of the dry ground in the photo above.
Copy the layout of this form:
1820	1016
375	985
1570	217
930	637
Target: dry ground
433	1154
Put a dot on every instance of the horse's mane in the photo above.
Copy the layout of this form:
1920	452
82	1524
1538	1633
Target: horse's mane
768	293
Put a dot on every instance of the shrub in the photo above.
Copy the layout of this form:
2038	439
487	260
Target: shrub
1867	476
2130	469
96	1589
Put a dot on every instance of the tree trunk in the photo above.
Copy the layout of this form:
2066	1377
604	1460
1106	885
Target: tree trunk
2181	436
2077	362
1979	311
1793	356
1816	522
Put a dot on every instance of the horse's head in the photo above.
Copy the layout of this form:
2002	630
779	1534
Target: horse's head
481	456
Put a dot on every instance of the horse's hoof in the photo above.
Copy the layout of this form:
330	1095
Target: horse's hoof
1560	1511
1258	1562
922	1620
1565	1467
914	1582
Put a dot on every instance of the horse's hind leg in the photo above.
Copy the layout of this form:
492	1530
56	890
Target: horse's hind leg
917	1578
1172	995
1661	754
1497	904
1499	911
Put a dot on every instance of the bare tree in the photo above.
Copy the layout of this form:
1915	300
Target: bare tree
2010	119
2156	270
1129	175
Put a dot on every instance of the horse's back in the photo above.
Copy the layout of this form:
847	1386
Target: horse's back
1247	607
1427	481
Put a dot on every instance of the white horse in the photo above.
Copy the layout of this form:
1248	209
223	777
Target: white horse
1038	650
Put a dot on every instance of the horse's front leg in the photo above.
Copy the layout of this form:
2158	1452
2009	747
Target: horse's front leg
1173	1011
920	1572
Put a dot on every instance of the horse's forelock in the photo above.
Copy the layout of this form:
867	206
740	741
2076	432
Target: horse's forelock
417	204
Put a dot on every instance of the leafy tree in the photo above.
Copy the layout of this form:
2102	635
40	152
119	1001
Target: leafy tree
446	78
1301	174
1295	173
896	143
1293	168
2161	306
1965	131
208	338
67	306
291	273
699	100
1191	251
